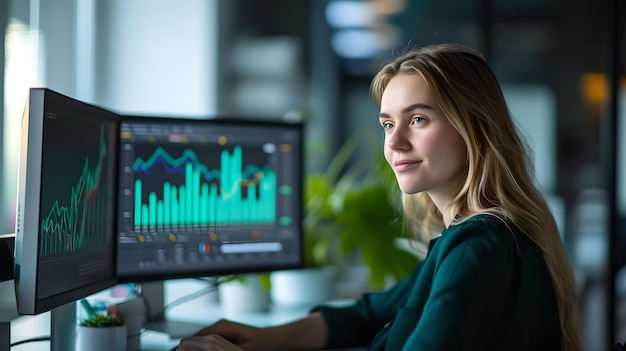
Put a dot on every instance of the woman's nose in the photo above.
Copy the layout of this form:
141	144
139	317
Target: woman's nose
397	140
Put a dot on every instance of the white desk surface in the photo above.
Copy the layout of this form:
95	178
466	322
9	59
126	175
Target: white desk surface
207	312
204	311
33	326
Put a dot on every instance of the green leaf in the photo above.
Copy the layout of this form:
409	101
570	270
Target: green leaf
101	320
371	225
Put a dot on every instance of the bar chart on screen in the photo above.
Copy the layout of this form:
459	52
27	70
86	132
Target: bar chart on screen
176	188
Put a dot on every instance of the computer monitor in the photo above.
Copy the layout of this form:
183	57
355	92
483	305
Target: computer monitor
208	197
65	225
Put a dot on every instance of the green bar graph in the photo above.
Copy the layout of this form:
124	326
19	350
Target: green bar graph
194	195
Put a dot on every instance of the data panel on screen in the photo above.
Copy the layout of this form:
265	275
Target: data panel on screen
208	197
65	226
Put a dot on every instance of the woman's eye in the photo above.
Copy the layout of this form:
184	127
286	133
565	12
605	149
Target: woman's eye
386	125
417	119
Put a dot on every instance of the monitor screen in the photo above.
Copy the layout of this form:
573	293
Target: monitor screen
65	226
207	197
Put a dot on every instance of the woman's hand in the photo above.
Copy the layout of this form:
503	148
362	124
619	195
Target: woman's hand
227	335
309	333
211	342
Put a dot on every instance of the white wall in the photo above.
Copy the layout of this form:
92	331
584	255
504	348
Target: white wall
533	108
156	57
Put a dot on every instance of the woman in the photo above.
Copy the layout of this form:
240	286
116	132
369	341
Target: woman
496	276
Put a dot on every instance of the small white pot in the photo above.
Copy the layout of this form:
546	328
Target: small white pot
101	338
243	296
302	287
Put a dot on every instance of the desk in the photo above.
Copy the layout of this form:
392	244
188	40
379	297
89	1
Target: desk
203	311
208	312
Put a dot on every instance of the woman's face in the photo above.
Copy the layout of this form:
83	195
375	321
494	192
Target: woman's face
425	152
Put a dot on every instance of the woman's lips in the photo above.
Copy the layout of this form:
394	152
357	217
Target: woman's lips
403	165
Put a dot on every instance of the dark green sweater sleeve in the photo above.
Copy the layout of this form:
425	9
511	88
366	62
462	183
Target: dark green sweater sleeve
357	324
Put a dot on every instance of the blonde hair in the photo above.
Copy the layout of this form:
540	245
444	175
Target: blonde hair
500	176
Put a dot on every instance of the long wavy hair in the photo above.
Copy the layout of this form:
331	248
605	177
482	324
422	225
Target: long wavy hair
500	175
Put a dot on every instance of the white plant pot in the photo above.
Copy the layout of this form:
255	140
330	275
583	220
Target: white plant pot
101	338
243	296
302	287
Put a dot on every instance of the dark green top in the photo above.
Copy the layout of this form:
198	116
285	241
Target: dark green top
482	286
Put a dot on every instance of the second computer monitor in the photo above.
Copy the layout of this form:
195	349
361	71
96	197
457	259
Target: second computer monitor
66	200
207	197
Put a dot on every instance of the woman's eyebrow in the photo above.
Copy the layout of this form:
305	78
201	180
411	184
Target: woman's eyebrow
408	109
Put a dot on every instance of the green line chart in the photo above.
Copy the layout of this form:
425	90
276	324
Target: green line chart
79	224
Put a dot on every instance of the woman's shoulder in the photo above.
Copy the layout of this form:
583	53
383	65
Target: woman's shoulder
482	233
482	224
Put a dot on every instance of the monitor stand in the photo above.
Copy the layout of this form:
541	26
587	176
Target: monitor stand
5	336
62	321
63	318
153	292
63	328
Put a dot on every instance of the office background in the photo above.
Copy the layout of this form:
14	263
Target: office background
561	64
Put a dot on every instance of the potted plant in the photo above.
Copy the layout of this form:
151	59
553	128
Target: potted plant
354	209
101	332
101	320
244	293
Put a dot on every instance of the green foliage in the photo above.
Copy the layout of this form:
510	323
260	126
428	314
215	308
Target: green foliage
264	280
371	224
356	209
320	226
101	320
